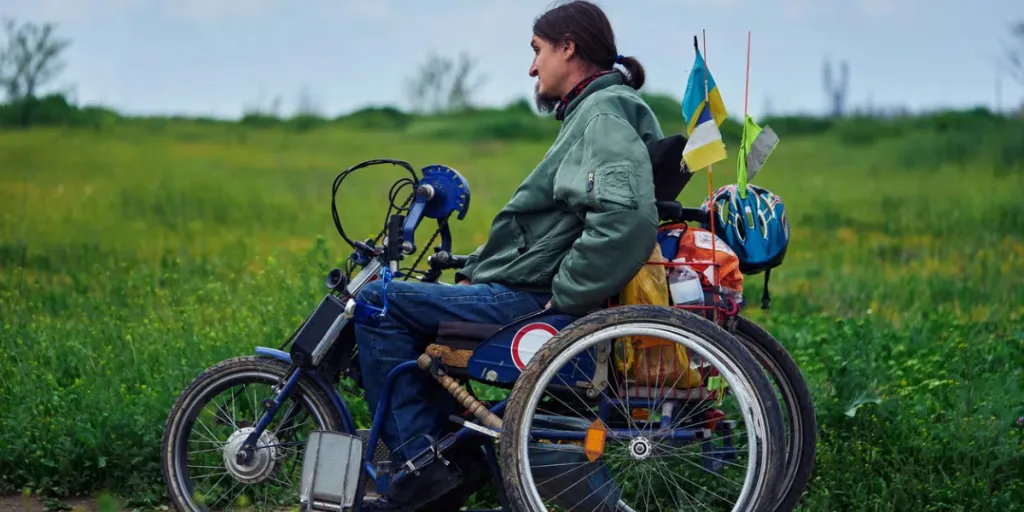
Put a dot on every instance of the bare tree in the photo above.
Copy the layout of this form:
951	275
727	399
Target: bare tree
30	57
836	89
1014	60
444	85
307	105
260	108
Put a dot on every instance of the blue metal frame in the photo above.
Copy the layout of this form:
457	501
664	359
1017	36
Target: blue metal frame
384	481
493	362
332	393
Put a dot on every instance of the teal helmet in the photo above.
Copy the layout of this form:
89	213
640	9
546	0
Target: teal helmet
755	226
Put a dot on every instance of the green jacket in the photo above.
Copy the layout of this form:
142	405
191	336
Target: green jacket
583	223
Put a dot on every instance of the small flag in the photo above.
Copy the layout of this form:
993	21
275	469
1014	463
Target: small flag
704	112
758	143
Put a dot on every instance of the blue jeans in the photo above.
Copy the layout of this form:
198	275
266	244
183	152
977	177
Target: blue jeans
418	405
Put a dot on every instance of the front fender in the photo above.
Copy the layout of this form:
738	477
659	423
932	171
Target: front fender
274	353
332	393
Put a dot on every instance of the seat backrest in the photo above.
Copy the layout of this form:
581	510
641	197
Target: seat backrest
670	172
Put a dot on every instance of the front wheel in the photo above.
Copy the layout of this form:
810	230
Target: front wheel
211	419
691	422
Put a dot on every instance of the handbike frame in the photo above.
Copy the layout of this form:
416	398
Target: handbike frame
434	198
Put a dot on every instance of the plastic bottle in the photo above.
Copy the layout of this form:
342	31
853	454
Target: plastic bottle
684	287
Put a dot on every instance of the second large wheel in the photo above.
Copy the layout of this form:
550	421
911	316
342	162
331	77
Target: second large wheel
797	405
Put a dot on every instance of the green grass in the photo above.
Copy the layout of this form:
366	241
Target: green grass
133	257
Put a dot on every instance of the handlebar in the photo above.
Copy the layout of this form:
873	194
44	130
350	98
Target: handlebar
444	260
440	193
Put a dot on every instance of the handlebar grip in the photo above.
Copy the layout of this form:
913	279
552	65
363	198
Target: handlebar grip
444	260
458	261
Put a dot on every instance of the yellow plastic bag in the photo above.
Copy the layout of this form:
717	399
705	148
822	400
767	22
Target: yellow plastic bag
647	360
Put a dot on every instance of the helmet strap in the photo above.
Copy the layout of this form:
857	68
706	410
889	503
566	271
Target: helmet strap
765	297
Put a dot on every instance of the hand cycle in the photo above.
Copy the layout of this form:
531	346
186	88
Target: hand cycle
541	452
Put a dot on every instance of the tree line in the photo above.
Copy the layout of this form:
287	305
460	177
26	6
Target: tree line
32	58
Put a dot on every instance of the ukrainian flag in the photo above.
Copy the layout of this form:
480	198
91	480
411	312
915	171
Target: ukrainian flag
704	145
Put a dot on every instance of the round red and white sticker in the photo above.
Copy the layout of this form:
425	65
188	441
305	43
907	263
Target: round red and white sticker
528	340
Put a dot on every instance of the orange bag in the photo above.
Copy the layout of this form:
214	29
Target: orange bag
694	244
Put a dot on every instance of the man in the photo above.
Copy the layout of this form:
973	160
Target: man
573	234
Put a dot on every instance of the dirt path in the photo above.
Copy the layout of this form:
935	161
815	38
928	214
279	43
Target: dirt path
21	503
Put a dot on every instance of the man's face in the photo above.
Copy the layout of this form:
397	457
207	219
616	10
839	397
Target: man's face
550	67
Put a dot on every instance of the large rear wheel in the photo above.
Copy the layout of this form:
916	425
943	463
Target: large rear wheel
688	441
797	406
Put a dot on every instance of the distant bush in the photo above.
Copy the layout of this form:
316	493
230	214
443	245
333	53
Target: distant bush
922	141
53	110
378	118
862	130
796	125
485	125
306	122
666	109
298	123
962	138
260	120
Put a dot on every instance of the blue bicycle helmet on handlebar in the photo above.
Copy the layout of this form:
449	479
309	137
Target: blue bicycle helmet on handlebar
755	227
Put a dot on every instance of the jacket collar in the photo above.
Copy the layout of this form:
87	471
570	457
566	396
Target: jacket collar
586	87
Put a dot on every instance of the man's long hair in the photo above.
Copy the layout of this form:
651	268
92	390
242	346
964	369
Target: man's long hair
585	24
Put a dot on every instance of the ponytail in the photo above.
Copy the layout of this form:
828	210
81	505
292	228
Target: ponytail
635	74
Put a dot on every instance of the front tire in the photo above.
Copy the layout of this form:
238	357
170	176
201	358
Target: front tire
262	475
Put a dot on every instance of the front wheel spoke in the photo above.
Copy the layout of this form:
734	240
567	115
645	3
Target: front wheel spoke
287	483
206	476
240	491
212	437
293	426
197	452
233	484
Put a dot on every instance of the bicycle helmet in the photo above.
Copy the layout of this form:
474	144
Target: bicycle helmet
755	227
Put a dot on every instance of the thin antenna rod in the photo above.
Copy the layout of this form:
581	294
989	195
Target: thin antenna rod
746	93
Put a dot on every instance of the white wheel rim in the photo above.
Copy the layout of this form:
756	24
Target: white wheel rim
713	354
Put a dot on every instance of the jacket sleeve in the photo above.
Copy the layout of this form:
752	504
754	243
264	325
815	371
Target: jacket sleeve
613	190
466	272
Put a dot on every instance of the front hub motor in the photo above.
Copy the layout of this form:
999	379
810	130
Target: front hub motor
259	463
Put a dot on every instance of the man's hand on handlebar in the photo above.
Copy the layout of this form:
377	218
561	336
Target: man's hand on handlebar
464	281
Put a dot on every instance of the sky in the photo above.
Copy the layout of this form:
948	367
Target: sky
216	57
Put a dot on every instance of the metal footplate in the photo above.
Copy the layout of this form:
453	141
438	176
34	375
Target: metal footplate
331	471
380	454
427	457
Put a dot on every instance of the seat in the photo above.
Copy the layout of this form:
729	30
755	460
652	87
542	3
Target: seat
670	172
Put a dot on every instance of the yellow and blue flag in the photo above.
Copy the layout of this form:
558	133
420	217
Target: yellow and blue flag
704	112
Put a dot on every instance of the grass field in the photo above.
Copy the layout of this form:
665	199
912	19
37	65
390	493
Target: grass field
133	257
